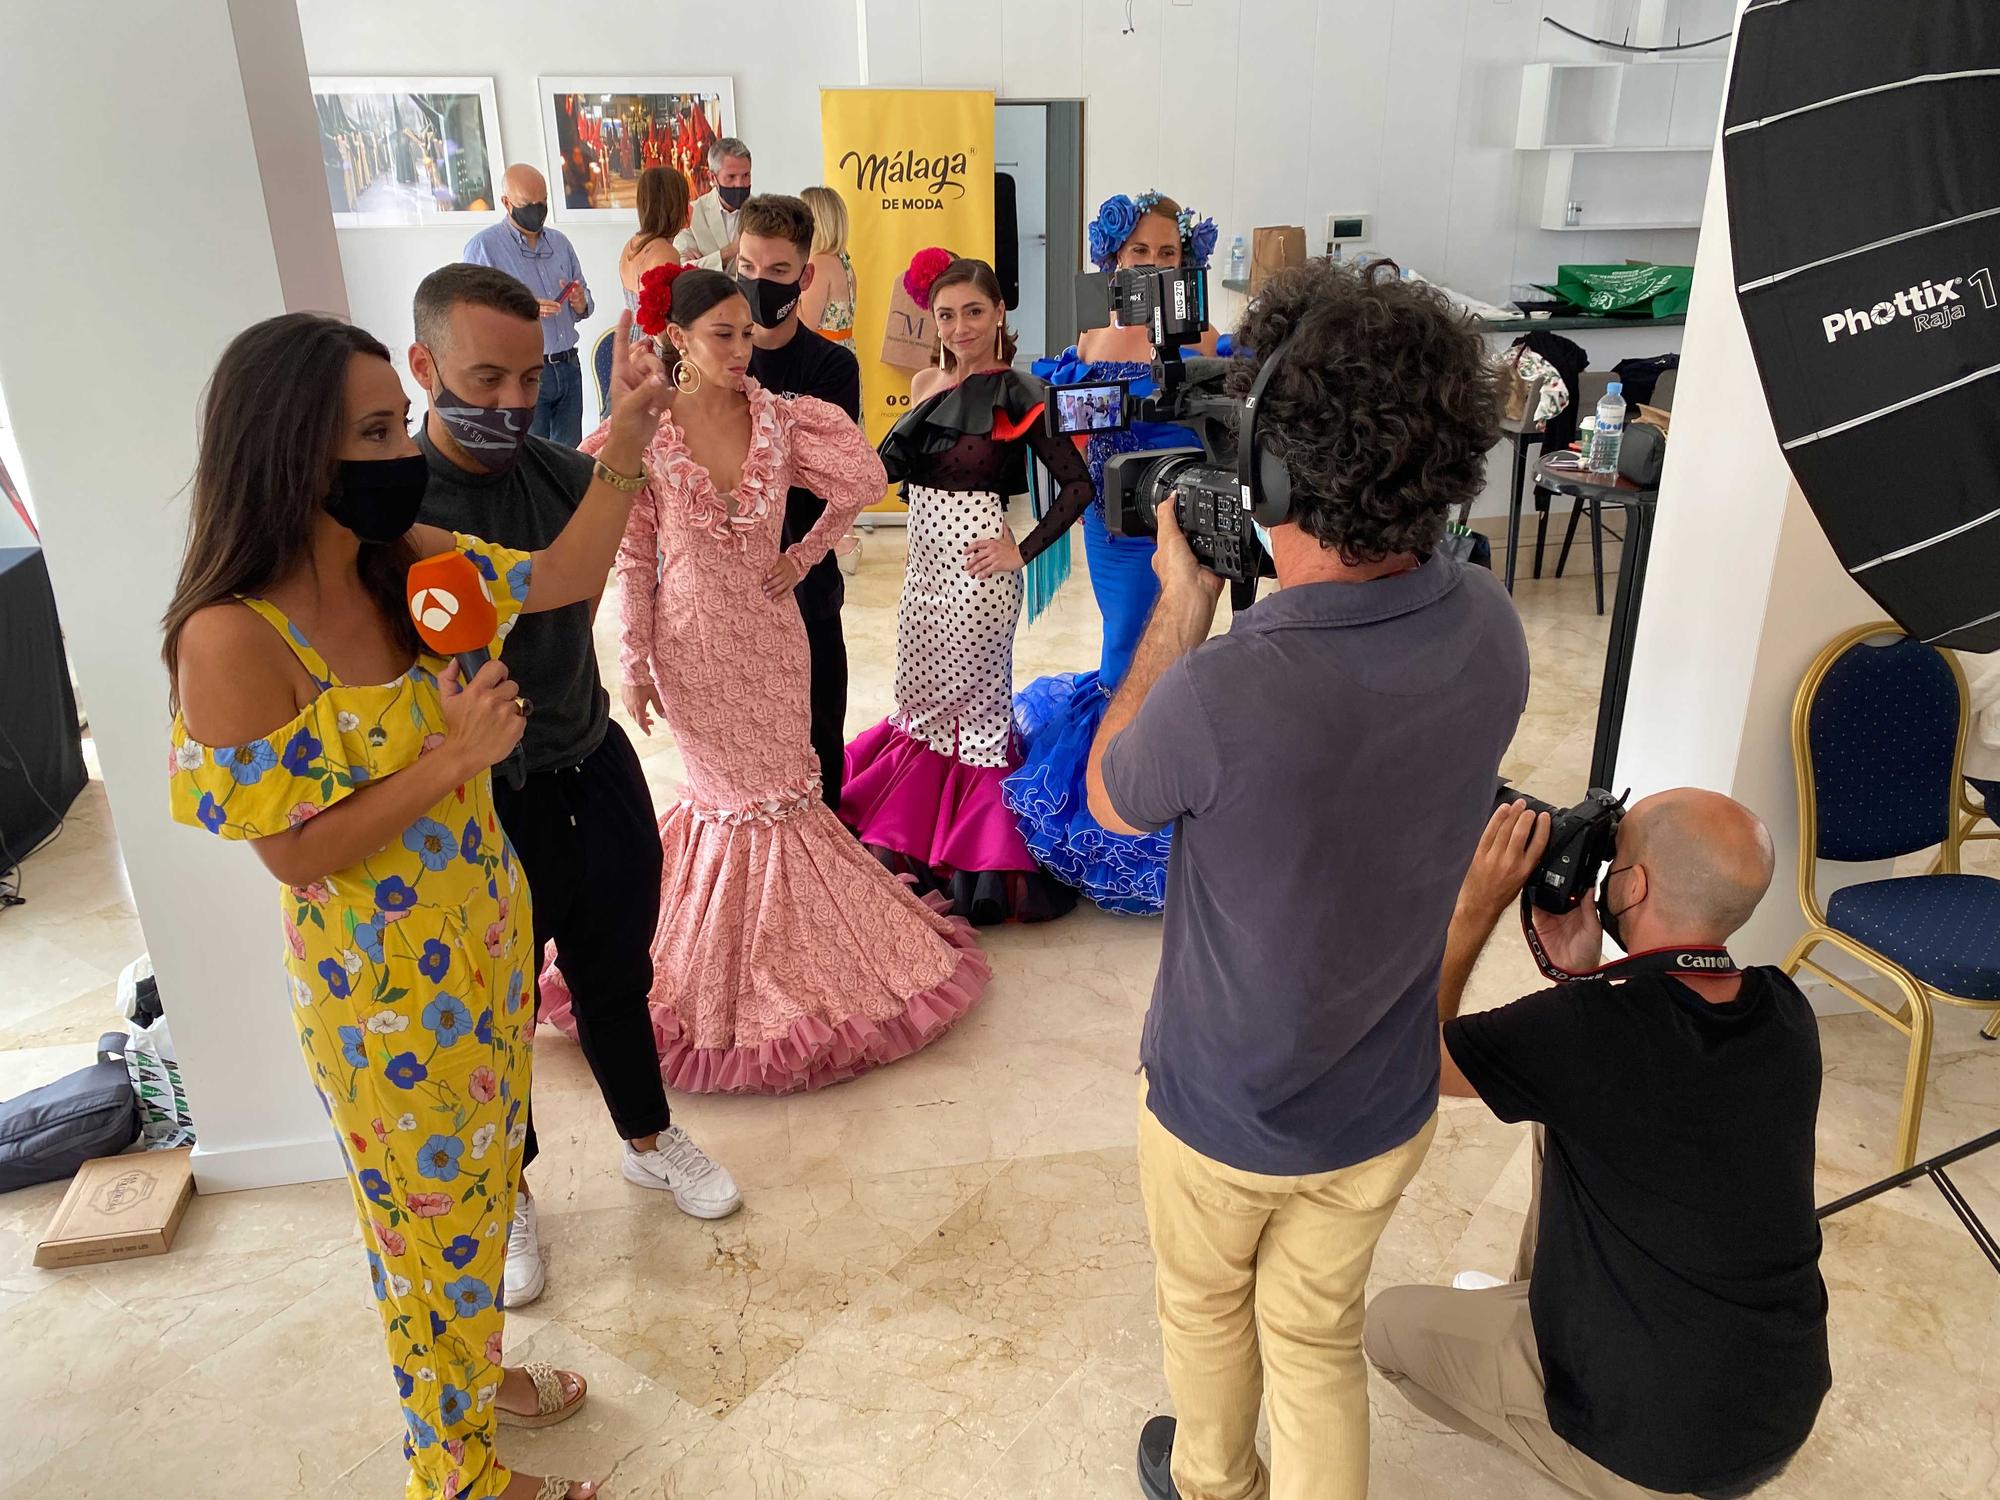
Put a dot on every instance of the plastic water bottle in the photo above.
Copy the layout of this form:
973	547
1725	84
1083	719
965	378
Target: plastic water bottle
1610	431
1238	260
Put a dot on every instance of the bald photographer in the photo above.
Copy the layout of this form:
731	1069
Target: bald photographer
1664	1331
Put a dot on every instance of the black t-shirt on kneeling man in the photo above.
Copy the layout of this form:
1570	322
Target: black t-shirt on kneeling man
1676	1293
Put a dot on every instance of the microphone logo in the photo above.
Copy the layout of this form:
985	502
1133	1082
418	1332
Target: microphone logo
450	604
433	608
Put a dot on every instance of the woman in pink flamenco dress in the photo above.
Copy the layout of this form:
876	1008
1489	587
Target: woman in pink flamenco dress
786	957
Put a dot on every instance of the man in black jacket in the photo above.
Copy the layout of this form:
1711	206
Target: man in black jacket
773	254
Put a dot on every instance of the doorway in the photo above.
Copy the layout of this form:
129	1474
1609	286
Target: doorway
1038	144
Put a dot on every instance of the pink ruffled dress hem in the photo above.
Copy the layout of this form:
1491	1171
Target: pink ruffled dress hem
812	1054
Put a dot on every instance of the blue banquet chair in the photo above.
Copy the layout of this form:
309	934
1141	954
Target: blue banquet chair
1878	734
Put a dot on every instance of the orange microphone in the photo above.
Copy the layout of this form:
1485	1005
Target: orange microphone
454	615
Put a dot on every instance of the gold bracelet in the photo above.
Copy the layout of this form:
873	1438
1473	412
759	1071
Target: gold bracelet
625	482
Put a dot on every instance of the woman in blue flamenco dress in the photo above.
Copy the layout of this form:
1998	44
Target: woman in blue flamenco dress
1057	717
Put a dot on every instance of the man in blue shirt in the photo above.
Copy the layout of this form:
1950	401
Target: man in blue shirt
1328	766
544	261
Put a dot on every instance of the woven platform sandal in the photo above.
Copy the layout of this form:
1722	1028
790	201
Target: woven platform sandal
550	1408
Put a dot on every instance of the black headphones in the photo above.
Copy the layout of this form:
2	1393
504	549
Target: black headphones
1265	482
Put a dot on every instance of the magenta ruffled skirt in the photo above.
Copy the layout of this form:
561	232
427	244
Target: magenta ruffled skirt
901	794
945	825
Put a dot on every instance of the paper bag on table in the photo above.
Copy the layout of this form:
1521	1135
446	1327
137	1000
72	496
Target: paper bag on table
1274	249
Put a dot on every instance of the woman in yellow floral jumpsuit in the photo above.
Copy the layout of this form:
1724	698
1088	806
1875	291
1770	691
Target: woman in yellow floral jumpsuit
408	963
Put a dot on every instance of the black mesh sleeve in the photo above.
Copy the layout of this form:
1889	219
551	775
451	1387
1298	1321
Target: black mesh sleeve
1073	492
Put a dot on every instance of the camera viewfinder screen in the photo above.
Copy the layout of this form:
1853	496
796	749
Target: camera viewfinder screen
1089	408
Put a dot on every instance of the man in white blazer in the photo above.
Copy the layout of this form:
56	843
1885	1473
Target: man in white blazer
710	238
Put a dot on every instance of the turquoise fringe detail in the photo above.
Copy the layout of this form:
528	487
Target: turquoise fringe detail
1045	576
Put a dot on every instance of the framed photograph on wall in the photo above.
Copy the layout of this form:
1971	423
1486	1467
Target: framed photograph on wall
603	132
409	150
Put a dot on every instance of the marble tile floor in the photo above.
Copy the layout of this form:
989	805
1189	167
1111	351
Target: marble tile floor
939	1285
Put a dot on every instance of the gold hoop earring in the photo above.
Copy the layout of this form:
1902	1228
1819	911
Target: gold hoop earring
687	376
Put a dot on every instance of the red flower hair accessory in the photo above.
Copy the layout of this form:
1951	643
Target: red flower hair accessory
925	269
656	299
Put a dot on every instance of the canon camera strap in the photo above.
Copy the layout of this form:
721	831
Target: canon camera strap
1704	961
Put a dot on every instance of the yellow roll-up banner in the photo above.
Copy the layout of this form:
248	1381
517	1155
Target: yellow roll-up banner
915	167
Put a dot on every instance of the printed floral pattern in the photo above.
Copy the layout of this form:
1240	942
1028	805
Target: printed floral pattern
406	982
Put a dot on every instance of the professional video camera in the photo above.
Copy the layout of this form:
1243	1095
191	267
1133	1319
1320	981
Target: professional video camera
1217	496
1582	841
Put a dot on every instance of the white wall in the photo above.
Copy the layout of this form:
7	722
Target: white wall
133	324
1742	592
1255	111
1281	111
778	52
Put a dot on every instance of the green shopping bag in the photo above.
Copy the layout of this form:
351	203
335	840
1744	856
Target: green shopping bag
1635	290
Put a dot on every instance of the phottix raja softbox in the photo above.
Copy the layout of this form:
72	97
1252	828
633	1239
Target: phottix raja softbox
1861	153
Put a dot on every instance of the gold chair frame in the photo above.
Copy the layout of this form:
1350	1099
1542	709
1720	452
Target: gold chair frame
1913	1016
1975	814
603	390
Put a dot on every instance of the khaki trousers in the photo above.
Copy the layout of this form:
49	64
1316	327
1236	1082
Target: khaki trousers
1469	1360
1260	1286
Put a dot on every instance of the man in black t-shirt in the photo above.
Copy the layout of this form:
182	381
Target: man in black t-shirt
773	266
581	819
1665	1330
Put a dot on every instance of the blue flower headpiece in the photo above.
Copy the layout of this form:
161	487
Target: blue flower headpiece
1120	215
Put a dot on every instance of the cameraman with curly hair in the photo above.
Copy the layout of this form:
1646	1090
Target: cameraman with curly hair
1328	766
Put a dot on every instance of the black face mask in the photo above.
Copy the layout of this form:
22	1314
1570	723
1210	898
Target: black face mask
378	498
530	216
733	198
771	302
1606	917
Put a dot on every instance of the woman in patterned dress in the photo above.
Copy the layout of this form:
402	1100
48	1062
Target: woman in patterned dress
785	957
310	720
827	305
923	786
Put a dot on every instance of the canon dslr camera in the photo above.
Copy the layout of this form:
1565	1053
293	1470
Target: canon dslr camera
1582	840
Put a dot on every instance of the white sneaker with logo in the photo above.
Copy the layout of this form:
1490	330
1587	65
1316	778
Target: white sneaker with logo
524	1275
677	1165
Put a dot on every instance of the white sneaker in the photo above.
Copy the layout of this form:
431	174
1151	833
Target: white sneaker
524	1276
1475	1281
678	1166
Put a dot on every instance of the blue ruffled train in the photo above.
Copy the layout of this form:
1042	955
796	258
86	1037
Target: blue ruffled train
1056	718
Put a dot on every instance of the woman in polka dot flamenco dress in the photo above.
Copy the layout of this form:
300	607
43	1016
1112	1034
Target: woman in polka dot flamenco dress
311	723
924	786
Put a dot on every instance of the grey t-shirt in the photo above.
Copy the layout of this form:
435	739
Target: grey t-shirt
551	654
1328	766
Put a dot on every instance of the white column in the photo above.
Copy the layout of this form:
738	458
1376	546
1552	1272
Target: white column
1742	592
185	202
